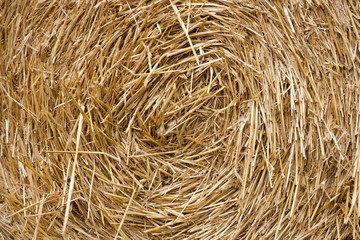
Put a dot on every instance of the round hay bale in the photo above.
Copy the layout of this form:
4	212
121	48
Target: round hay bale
165	119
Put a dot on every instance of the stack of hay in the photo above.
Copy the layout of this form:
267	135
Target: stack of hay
191	119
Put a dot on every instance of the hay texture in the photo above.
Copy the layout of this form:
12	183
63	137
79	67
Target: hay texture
168	119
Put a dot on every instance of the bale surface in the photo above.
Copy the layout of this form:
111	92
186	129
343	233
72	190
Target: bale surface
191	119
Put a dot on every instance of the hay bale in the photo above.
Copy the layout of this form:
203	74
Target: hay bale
173	119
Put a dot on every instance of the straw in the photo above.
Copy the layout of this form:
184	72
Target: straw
191	119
